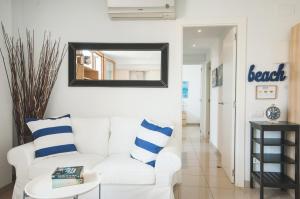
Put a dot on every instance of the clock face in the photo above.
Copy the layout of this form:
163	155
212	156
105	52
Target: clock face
273	113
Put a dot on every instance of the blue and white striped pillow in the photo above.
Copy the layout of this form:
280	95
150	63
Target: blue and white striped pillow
151	139
52	136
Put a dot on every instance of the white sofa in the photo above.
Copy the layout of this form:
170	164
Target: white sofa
104	145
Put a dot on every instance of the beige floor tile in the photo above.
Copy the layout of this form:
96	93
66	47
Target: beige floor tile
232	194
248	194
194	193
219	182
191	163
188	149
213	172
210	164
207	180
207	157
190	154
192	171
194	180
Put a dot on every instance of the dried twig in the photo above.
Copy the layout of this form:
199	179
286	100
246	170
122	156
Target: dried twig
30	84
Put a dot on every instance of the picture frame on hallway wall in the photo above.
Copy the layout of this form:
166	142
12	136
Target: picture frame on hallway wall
220	75
214	77
264	92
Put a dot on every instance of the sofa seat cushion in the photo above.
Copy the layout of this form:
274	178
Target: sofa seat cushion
121	169
48	165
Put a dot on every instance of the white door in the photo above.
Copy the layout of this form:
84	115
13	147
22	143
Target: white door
227	104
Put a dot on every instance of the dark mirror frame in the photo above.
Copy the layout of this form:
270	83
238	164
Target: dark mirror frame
162	83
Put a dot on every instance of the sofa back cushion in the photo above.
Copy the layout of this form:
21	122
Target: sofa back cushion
91	135
123	132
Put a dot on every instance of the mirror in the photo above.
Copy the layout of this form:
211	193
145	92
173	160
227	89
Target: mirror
119	65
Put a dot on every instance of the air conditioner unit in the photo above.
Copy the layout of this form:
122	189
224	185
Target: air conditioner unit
141	9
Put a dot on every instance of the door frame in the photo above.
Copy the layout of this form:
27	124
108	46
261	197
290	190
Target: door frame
240	124
205	97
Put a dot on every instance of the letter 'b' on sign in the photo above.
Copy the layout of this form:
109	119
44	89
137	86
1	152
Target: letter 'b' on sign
266	76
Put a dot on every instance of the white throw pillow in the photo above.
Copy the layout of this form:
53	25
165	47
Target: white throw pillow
52	136
150	140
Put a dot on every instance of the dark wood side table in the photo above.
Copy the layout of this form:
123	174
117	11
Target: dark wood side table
274	179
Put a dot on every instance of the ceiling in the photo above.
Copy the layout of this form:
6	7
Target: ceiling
197	41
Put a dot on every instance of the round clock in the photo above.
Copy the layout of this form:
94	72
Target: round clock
273	112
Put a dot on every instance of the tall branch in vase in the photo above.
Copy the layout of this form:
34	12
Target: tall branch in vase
30	82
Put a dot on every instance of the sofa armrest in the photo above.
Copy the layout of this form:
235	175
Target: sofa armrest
21	157
168	163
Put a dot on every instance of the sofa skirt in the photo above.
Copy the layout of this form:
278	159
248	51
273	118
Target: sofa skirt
131	192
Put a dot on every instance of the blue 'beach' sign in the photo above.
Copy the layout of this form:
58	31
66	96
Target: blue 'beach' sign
266	76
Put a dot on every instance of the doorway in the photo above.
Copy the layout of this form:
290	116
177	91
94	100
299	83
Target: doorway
213	51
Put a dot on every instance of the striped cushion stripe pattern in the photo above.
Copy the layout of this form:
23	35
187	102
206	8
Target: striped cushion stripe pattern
52	136
51	131
164	130
55	150
148	146
150	140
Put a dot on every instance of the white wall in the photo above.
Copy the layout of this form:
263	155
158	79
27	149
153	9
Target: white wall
87	21
269	23
192	104
5	102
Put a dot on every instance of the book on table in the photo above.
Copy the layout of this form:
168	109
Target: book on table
67	176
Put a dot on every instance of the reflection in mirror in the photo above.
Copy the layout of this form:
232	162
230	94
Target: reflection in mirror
118	65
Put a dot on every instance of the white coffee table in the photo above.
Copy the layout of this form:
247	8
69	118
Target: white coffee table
41	187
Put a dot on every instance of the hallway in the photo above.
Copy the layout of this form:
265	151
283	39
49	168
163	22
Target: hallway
201	177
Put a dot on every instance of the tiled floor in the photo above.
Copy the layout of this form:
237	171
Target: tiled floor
201	177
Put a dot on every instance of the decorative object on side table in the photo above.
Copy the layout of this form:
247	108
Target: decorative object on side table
30	82
273	112
41	187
